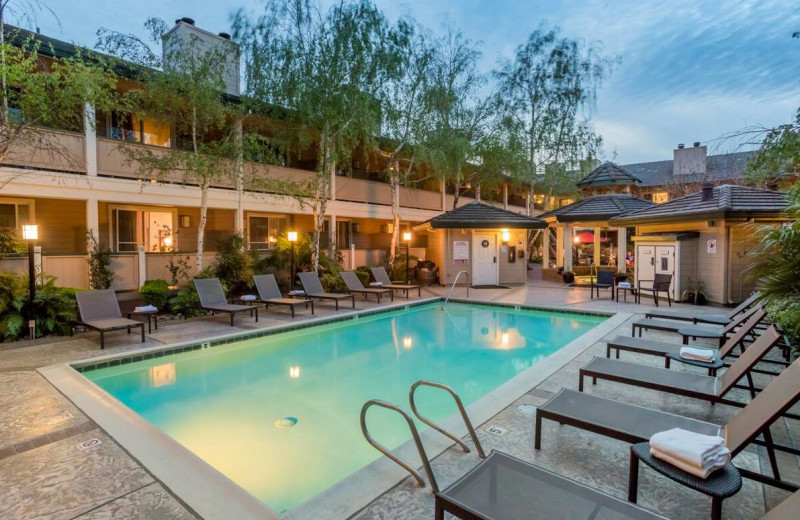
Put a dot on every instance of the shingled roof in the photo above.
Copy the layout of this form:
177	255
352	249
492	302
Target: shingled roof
721	167
728	200
476	215
599	207
608	174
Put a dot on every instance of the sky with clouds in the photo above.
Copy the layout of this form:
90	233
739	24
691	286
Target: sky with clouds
691	70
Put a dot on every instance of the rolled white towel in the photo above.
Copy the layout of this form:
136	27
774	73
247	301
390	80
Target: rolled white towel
146	308
693	448
248	297
624	285
376	284
702	472
698	354
297	292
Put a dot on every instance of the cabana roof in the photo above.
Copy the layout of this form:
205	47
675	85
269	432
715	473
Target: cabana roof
477	215
726	201
608	174
599	207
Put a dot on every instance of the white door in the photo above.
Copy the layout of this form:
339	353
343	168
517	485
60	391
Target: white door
665	264
645	262
484	266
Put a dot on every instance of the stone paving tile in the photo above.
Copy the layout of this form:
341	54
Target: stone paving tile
19	386
24	420
59	481
149	502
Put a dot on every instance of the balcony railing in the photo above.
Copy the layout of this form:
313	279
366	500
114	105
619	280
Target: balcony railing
57	150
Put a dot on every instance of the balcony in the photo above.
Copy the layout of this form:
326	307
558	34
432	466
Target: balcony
58	150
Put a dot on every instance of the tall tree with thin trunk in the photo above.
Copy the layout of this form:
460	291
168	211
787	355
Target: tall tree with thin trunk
182	88
548	90
327	70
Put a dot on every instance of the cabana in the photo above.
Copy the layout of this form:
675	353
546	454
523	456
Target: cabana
487	242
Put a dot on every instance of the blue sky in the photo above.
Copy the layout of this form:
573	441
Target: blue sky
691	70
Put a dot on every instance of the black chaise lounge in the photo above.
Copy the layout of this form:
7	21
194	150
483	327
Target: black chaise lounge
688	384
313	289
635	424
656	286
99	311
671	351
382	277
687	330
355	286
713	319
212	298
270	294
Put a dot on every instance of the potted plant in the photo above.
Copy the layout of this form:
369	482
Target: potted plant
619	276
695	292
568	276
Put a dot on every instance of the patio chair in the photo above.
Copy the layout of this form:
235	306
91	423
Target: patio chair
355	286
671	351
660	284
705	318
712	389
212	298
270	294
382	276
635	424
313	289
603	280
99	310
693	331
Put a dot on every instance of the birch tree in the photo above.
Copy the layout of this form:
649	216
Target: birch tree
548	89
183	87
327	70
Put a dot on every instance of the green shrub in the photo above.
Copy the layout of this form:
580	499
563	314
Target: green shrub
186	302
100	274
10	243
363	272
234	264
55	307
156	293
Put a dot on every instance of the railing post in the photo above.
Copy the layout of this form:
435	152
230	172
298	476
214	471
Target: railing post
142	265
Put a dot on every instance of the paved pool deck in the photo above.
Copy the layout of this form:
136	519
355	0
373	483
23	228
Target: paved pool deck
45	473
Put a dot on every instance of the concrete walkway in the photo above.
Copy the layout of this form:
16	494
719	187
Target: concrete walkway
46	472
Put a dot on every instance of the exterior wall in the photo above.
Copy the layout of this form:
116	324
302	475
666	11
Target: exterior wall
711	268
448	269
742	240
514	272
688	262
435	251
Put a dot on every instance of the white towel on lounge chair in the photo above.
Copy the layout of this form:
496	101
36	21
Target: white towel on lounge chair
723	457
376	284
146	308
248	297
693	448
697	354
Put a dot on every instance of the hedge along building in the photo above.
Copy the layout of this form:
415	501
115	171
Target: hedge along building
704	236
486	242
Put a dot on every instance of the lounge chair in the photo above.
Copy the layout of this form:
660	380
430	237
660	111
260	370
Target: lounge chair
603	280
99	311
693	331
656	286
671	351
382	277
313	289
355	286
712	389
705	318
270	294
212	298
634	424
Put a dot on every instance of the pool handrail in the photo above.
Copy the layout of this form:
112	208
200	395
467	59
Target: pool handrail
414	433
454	286
461	410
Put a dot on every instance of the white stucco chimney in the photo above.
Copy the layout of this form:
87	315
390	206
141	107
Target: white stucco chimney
185	29
686	161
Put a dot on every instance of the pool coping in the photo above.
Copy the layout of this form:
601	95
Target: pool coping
213	495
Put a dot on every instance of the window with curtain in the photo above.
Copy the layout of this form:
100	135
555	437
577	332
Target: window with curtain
263	231
13	215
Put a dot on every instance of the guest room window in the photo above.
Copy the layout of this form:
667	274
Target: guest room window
154	228
136	129
263	231
15	213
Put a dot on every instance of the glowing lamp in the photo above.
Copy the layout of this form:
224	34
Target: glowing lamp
167	241
407	342
294	372
291	236
505	235
406	236
30	232
576	239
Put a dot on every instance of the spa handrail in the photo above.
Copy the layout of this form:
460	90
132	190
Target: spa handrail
461	410
454	286
414	433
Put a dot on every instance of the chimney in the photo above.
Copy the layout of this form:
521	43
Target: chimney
708	192
688	161
185	29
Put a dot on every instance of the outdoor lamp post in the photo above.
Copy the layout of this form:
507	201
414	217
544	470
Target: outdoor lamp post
407	240
30	233
291	236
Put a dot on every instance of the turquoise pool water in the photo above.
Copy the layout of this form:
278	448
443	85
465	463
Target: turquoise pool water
231	404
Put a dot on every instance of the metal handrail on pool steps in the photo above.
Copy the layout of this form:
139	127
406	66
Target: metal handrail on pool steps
426	465
454	286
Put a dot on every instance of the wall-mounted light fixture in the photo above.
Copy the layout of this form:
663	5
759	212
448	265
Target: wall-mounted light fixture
505	235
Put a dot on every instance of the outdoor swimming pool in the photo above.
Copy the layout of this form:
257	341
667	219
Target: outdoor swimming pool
279	414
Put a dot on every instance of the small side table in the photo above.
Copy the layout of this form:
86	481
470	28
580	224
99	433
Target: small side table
625	291
154	314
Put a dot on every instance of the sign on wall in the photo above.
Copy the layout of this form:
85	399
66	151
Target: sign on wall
460	252
711	246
